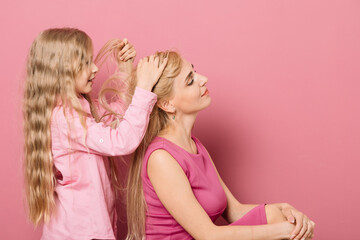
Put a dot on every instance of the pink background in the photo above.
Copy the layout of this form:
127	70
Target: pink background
284	124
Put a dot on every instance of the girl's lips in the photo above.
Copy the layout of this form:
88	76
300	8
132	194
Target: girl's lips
205	93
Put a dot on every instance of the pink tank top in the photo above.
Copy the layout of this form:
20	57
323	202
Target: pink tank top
204	183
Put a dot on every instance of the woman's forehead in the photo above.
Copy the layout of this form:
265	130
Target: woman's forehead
185	70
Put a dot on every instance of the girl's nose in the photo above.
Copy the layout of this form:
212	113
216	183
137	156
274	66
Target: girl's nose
95	68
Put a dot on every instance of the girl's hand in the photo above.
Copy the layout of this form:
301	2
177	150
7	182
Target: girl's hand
149	71
127	52
304	227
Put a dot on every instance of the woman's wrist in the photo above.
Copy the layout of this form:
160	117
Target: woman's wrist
281	206
284	230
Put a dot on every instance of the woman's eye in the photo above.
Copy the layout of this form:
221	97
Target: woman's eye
191	82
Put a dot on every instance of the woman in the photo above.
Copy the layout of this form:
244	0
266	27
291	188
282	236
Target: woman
174	190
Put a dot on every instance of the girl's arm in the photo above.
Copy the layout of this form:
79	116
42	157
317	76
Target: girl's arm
101	139
126	137
174	191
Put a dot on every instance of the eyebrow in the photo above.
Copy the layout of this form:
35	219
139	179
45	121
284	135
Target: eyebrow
190	73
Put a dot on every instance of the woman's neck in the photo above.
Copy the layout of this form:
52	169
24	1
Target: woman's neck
179	130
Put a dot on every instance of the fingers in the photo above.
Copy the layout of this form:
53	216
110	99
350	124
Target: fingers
298	226
145	59
304	228
151	59
149	71
164	63
312	229
128	55
306	231
288	215
127	51
124	50
309	234
156	61
121	45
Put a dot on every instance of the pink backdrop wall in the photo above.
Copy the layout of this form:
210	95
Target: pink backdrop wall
283	75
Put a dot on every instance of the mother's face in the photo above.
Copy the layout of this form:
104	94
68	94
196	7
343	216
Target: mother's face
190	94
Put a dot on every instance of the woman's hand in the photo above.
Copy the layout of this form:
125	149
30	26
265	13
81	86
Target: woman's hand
285	228
128	52
149	71
304	227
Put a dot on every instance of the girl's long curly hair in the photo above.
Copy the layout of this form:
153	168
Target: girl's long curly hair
55	59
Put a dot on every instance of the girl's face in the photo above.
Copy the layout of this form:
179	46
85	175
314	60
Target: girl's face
190	94
83	82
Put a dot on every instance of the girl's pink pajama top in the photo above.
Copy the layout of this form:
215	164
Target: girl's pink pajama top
84	196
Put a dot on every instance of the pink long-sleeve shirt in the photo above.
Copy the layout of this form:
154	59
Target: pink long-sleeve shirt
84	198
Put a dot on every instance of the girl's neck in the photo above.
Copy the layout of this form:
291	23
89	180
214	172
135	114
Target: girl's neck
179	130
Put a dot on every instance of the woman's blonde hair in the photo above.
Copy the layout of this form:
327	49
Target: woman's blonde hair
55	59
136	205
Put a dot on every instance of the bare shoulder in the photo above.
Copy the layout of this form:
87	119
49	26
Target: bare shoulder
160	157
161	162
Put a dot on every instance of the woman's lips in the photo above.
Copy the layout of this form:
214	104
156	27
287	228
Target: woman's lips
205	93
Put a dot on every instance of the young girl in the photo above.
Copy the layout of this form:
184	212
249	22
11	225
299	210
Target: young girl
174	189
66	177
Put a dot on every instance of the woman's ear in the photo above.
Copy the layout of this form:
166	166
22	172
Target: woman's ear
166	106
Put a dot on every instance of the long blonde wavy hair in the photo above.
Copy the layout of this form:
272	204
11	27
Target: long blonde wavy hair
55	59
136	205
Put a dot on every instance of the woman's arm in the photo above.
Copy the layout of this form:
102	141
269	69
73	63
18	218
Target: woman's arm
174	191
304	227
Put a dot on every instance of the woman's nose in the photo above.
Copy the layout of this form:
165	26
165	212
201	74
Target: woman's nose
203	80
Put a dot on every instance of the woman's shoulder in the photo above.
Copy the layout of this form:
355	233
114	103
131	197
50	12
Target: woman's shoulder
161	151
161	147
156	144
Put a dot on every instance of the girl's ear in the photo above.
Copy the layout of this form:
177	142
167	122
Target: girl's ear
166	105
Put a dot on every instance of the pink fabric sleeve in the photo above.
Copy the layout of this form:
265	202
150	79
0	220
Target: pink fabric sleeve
103	140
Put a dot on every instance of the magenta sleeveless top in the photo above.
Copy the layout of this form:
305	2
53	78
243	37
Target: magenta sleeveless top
204	183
